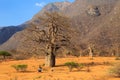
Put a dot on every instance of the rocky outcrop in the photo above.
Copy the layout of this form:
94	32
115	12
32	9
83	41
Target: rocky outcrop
93	11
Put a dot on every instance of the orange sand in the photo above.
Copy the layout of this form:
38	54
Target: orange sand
98	72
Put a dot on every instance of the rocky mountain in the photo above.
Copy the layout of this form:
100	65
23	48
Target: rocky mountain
57	6
7	32
95	22
16	38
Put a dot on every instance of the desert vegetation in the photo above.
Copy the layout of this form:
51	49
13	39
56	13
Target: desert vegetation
20	67
69	68
72	65
75	46
115	70
5	54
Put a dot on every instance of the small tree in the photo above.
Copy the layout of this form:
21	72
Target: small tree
20	67
4	54
72	65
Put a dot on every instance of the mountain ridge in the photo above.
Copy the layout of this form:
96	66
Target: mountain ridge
96	24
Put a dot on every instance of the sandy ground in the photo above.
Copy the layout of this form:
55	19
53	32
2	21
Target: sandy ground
60	72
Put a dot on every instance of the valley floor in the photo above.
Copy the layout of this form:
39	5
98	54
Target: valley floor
60	72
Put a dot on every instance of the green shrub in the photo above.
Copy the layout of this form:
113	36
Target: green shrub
115	70
72	65
80	66
4	54
20	67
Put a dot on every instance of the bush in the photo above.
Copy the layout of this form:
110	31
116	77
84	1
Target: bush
72	65
4	54
20	67
115	70
80	66
117	58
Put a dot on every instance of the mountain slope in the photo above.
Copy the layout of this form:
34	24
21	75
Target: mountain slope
80	6
7	32
93	21
16	38
57	6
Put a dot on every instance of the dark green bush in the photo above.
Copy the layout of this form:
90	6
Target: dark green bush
20	67
4	54
72	65
80	66
115	70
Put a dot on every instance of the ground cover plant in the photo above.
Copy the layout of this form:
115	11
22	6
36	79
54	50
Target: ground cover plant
20	67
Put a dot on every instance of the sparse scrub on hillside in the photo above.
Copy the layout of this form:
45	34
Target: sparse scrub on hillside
20	67
115	70
72	65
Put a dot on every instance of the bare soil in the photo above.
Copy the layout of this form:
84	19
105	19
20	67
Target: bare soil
98	71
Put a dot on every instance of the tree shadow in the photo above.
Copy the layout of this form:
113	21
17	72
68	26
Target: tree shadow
79	71
60	65
26	71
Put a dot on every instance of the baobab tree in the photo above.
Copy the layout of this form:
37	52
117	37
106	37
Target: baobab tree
52	33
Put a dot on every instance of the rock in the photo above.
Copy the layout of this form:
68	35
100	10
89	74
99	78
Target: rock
93	11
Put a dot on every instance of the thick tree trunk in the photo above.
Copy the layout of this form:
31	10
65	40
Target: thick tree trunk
50	60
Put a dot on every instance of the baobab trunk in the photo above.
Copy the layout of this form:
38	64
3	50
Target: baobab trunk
50	60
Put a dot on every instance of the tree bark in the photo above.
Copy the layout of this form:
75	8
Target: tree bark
50	60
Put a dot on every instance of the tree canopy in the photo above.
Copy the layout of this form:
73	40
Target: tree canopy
4	54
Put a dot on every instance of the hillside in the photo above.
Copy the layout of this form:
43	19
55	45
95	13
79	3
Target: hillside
94	22
7	32
57	6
